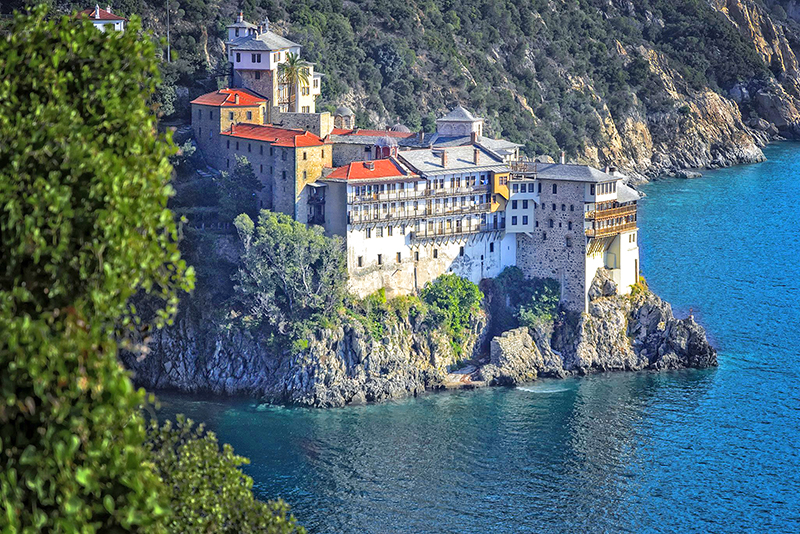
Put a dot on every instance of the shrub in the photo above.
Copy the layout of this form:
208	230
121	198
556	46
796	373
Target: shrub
453	301
207	491
289	272
84	227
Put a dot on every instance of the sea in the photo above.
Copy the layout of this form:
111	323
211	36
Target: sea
713	450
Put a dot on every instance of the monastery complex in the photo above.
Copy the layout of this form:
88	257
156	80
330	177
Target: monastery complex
413	206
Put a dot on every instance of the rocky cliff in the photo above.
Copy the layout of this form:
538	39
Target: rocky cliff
618	333
347	366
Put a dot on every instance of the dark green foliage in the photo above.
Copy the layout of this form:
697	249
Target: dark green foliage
289	273
84	227
452	302
514	300
238	190
207	491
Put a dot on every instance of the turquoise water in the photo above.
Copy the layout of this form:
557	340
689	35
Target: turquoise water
688	451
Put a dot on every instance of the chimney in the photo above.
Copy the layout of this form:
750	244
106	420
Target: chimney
97	11
444	159
473	137
240	18
421	136
606	169
370	165
563	157
236	98
476	155
612	170
108	8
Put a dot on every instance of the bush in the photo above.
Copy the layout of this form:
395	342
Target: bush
207	491
289	273
238	190
453	302
84	227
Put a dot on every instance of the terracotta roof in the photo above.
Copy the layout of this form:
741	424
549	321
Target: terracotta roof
284	137
104	15
227	97
372	133
371	170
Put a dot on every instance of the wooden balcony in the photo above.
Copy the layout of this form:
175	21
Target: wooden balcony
455	231
611	213
372	217
393	196
611	230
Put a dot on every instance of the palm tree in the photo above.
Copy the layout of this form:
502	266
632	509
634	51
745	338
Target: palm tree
294	72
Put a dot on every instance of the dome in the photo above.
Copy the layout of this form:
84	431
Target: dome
399	128
343	111
386	141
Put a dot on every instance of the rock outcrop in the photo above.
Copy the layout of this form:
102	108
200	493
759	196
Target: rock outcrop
619	333
346	365
336	367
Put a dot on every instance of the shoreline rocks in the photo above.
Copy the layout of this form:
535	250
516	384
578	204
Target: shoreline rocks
345	366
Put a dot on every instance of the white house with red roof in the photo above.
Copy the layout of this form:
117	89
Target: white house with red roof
105	19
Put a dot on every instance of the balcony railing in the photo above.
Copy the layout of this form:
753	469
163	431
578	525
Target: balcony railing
455	231
421	213
391	196
611	213
610	230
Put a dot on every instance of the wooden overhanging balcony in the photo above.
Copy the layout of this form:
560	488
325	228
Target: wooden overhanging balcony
390	196
371	217
612	213
611	229
455	231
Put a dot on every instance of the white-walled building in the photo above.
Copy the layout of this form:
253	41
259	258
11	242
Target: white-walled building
104	19
416	215
256	53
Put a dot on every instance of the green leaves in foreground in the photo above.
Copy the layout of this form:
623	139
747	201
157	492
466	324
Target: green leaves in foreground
83	227
207	491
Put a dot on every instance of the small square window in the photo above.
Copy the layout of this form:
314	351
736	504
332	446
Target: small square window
399	257
551	223
361	261
513	204
524	204
230	115
461	251
380	259
555	189
524	219
491	247
544	236
416	255
436	253
514	220
563	207
249	115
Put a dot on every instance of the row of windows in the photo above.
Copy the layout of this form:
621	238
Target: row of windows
555	208
399	256
271	150
603	189
567	239
525	188
514	204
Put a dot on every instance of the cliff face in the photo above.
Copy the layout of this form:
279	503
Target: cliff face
346	366
338	367
617	334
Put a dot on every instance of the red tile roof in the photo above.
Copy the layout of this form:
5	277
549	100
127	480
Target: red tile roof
284	137
227	98
371	170
104	15
372	133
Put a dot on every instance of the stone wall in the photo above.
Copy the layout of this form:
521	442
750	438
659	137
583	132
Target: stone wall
319	124
557	246
265	85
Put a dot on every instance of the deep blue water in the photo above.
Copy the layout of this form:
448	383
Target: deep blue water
687	451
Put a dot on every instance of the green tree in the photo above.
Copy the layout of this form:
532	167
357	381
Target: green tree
294	72
84	227
206	489
453	301
289	272
238	190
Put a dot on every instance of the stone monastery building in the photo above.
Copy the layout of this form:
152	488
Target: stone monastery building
413	206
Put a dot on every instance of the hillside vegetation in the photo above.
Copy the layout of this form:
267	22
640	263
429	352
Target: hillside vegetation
606	81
